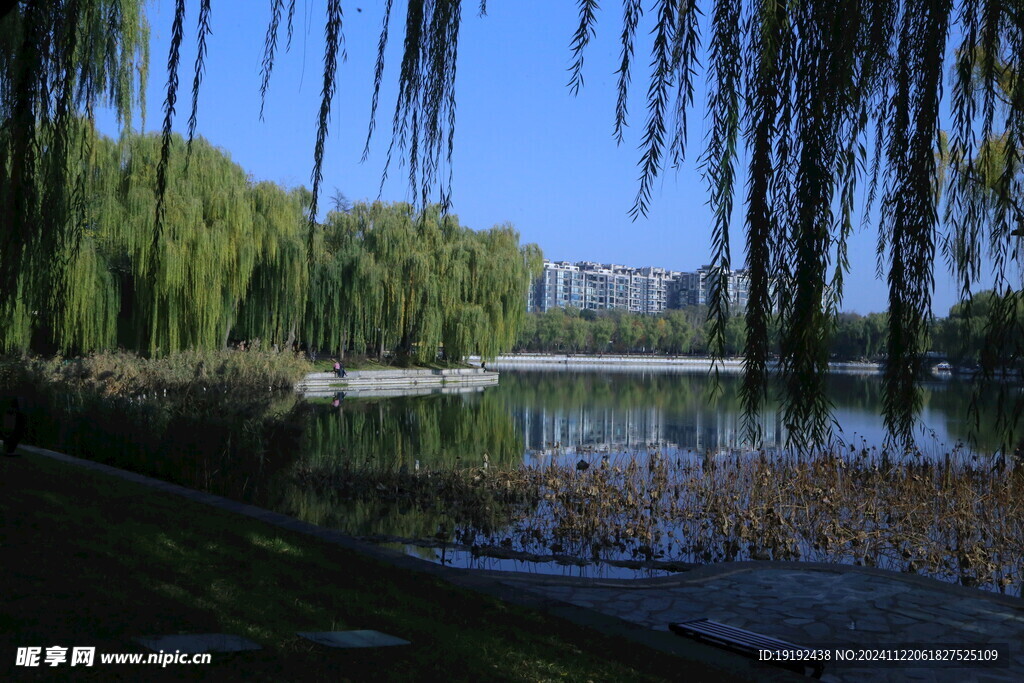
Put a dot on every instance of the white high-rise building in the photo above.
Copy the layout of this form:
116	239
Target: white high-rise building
697	289
606	286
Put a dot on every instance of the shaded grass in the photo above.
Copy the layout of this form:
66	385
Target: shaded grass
93	560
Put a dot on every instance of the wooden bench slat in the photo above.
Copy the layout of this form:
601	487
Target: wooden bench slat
744	642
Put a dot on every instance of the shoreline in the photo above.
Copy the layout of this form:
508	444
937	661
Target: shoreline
626	362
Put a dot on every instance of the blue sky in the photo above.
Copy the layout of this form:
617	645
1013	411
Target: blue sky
527	152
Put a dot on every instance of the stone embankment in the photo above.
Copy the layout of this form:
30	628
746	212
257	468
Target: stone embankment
620	361
396	382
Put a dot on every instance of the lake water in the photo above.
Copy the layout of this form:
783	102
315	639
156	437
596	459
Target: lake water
359	453
556	413
639	470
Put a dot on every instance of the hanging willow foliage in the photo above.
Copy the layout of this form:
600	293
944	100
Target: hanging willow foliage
57	59
823	96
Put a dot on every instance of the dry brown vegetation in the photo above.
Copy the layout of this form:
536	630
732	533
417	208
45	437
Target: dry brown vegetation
130	375
957	518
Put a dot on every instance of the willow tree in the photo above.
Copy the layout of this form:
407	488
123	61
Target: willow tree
57	61
387	278
494	282
823	97
231	257
190	277
224	242
274	306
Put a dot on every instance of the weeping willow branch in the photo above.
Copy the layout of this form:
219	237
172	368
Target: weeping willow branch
580	39
657	103
173	57
724	105
269	46
769	21
335	45
425	109
913	207
684	58
632	10
378	77
203	29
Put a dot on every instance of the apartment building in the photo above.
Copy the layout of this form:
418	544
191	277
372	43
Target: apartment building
698	288
603	286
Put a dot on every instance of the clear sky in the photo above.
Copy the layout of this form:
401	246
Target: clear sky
527	151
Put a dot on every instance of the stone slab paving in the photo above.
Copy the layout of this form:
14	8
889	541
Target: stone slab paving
816	605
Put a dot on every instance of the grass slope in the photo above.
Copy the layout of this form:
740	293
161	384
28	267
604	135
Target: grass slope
94	560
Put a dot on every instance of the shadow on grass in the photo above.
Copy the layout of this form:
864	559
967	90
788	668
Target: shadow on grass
94	561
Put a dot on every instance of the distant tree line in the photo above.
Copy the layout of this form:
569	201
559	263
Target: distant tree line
960	337
985	331
570	330
234	259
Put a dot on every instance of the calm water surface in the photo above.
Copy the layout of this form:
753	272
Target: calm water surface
556	413
625	411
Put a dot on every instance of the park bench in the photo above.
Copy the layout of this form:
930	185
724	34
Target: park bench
746	643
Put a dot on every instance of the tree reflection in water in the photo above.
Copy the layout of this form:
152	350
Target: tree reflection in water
414	469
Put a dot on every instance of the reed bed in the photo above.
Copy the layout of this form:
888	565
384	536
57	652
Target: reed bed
467	499
128	374
957	518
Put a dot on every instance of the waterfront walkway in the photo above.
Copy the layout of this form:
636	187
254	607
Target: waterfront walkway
395	382
816	605
809	604
647	362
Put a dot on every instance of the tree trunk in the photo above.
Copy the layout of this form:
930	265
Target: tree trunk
291	337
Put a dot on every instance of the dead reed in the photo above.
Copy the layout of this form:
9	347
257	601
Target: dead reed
956	518
128	374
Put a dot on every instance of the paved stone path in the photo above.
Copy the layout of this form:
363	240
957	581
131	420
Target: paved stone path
817	605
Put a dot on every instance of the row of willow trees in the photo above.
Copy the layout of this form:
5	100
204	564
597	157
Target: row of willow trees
233	259
960	337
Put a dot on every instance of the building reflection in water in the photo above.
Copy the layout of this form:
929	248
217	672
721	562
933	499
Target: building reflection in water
565	411
594	428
